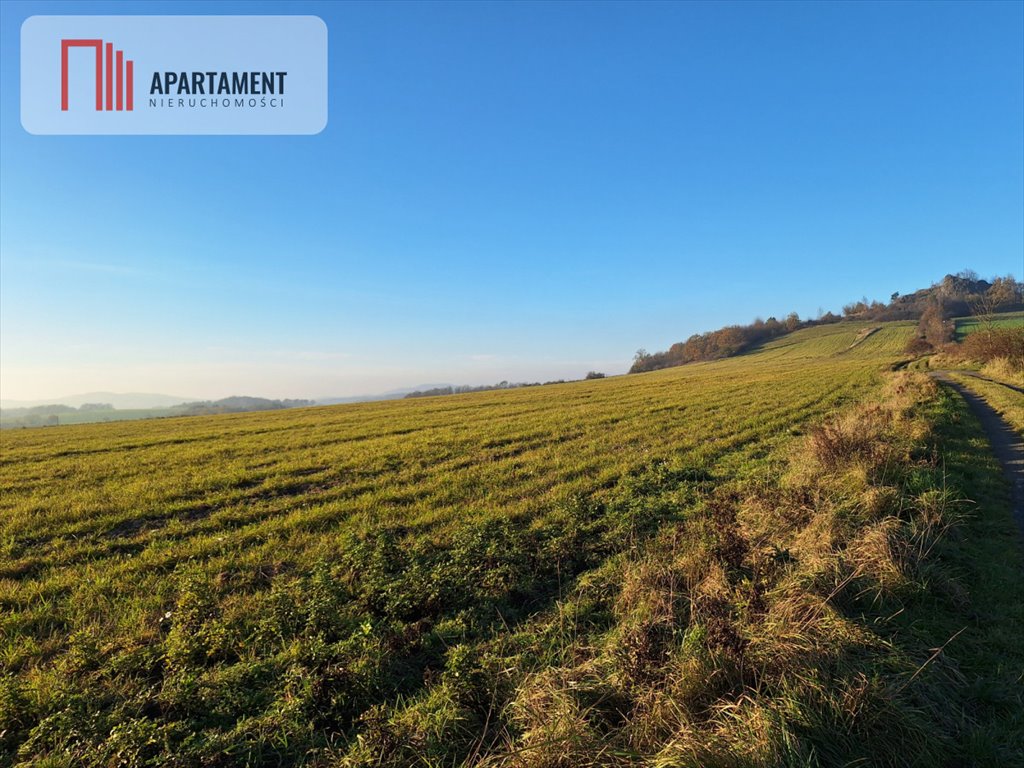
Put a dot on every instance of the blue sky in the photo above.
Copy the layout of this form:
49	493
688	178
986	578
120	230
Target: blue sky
514	191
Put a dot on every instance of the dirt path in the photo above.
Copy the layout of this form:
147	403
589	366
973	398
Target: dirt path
1007	445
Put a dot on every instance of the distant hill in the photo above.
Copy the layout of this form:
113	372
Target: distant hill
119	400
235	404
356	399
461	389
95	410
960	295
394	394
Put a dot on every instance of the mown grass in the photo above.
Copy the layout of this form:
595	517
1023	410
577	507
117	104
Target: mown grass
637	570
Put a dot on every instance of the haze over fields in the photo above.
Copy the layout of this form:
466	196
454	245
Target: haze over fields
966	296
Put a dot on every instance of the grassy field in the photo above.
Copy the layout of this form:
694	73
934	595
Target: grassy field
468	580
967	325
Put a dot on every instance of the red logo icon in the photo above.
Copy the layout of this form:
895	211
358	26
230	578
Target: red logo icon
122	72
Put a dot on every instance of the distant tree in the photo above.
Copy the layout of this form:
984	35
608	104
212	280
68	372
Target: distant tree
1005	293
933	326
855	308
983	306
713	345
595	375
730	341
1002	295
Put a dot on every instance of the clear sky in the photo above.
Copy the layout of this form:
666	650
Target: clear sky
514	191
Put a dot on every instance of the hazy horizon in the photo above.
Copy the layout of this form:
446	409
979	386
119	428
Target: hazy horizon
515	192
408	386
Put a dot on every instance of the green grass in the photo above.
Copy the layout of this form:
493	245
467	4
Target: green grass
1006	401
967	325
437	581
985	560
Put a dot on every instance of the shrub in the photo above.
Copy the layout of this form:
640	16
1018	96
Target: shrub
918	346
994	343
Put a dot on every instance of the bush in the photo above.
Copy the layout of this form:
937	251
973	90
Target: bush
994	343
918	346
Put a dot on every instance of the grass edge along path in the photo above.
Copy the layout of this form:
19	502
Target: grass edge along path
989	558
1003	398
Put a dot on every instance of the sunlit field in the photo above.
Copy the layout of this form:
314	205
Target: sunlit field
336	585
968	325
281	486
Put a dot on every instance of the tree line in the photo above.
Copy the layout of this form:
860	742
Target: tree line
959	295
461	389
725	342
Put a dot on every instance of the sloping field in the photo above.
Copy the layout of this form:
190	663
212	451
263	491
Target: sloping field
848	340
77	495
278	588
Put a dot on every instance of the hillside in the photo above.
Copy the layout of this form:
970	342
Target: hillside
963	294
742	562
